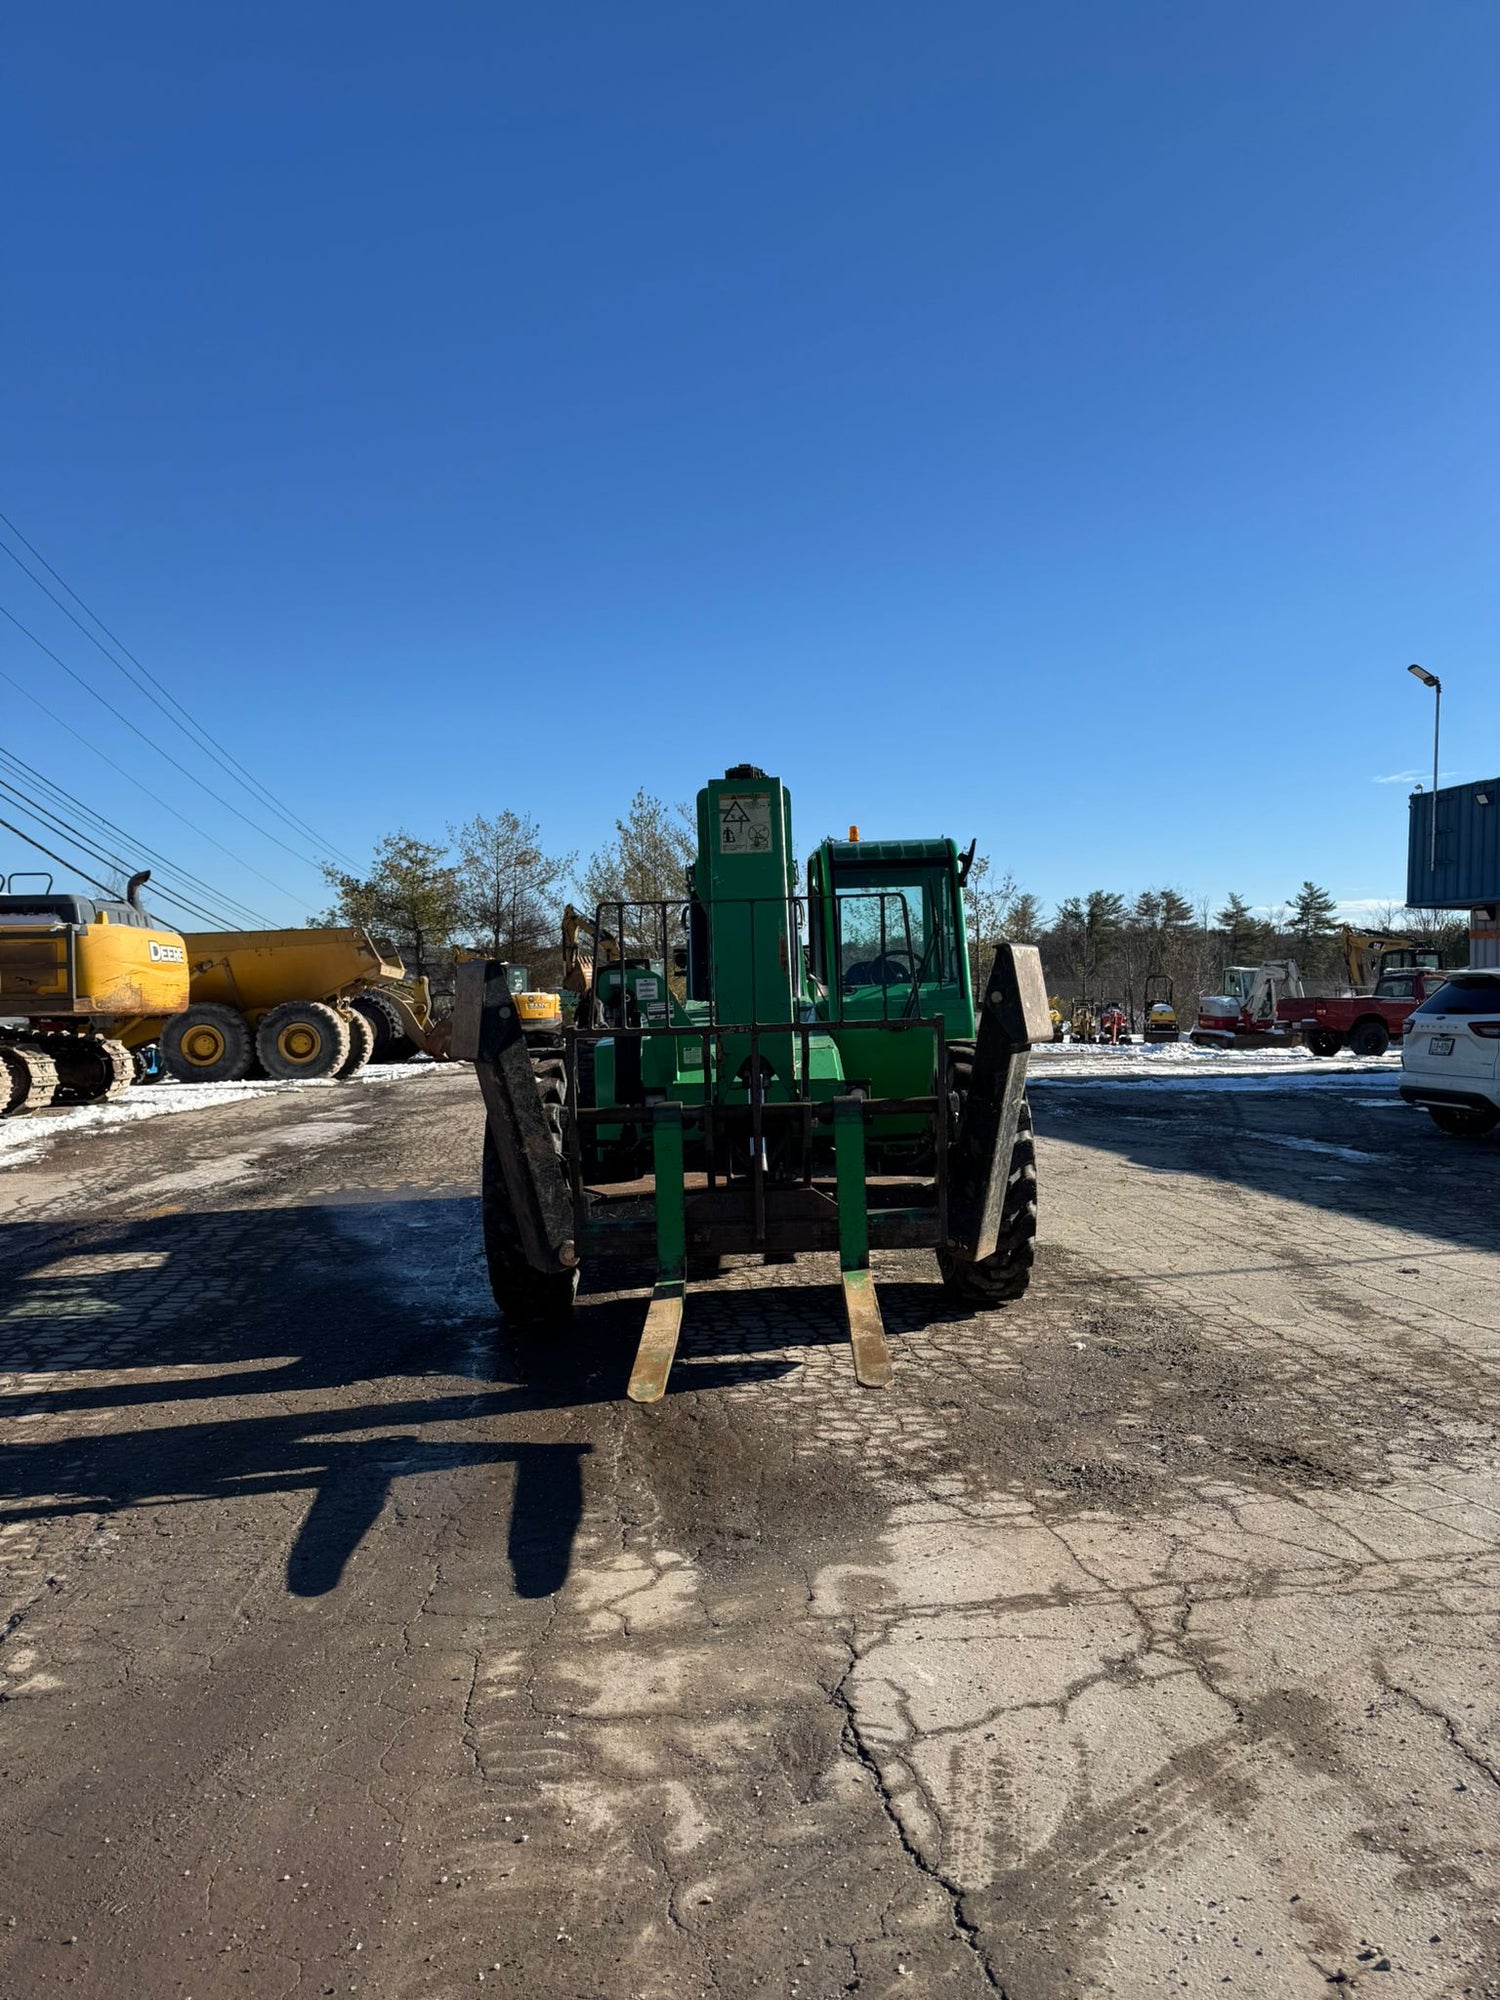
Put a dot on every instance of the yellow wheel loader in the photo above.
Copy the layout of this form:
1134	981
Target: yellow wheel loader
77	975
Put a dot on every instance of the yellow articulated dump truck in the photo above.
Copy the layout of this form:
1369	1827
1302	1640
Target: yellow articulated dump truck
78	976
302	1003
287	1004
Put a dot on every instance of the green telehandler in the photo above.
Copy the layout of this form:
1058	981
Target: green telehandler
758	1070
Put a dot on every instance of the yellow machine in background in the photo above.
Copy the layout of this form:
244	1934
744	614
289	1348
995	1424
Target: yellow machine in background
283	1004
1083	1023
77	975
319	1002
1160	1024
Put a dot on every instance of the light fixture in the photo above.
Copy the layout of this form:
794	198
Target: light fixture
1432	681
1481	798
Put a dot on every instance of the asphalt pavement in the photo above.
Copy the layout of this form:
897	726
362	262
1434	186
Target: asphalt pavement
1139	1638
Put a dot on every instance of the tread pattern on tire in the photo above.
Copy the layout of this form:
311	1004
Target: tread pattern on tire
392	1043
239	1045
361	1043
529	1299
329	1023
1004	1276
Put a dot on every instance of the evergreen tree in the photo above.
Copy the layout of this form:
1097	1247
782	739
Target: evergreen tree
1247	937
412	896
1310	915
1088	931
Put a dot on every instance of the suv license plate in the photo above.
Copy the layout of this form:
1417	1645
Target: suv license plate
1440	1045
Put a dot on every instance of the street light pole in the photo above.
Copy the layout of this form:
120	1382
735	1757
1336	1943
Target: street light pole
1432	681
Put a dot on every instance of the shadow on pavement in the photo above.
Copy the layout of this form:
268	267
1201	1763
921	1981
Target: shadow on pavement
305	1327
1356	1153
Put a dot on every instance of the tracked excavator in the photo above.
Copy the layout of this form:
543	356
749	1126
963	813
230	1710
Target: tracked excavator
778	1072
74	972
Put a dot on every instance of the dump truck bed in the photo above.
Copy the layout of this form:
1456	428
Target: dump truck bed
254	970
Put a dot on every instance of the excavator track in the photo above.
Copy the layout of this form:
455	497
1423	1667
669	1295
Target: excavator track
28	1079
90	1069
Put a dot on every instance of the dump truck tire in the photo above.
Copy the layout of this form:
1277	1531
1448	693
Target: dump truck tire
28	1081
392	1043
89	1069
302	1038
361	1043
207	1044
529	1299
998	1279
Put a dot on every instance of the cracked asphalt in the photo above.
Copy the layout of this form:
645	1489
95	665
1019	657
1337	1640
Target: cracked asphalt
1140	1639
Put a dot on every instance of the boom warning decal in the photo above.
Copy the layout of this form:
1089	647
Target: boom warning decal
744	822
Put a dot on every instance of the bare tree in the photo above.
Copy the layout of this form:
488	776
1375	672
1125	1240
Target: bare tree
647	862
510	886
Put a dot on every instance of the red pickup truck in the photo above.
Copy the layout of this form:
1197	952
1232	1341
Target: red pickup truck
1365	1023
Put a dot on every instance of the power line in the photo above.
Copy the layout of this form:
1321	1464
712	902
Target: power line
78	735
188	724
162	891
194	894
110	828
92	882
151	742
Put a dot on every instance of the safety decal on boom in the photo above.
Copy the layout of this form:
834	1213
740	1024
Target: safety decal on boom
744	822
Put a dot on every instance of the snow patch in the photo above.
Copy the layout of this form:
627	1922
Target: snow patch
1187	1065
22	1139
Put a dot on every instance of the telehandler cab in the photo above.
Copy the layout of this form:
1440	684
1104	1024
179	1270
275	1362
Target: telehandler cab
755	1070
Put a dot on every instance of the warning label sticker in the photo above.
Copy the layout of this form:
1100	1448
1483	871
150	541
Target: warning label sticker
744	822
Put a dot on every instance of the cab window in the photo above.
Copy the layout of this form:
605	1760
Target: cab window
895	929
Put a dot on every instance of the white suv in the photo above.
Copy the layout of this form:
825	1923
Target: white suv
1451	1053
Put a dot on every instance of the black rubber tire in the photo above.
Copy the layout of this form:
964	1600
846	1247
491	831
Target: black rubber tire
28	1081
90	1070
321	1028
361	1043
237	1056
1003	1277
392	1043
1463	1121
1322	1043
1369	1038
529	1299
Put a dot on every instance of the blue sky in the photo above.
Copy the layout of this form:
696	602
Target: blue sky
1058	424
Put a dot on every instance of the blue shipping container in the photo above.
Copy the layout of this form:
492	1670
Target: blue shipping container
1466	870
